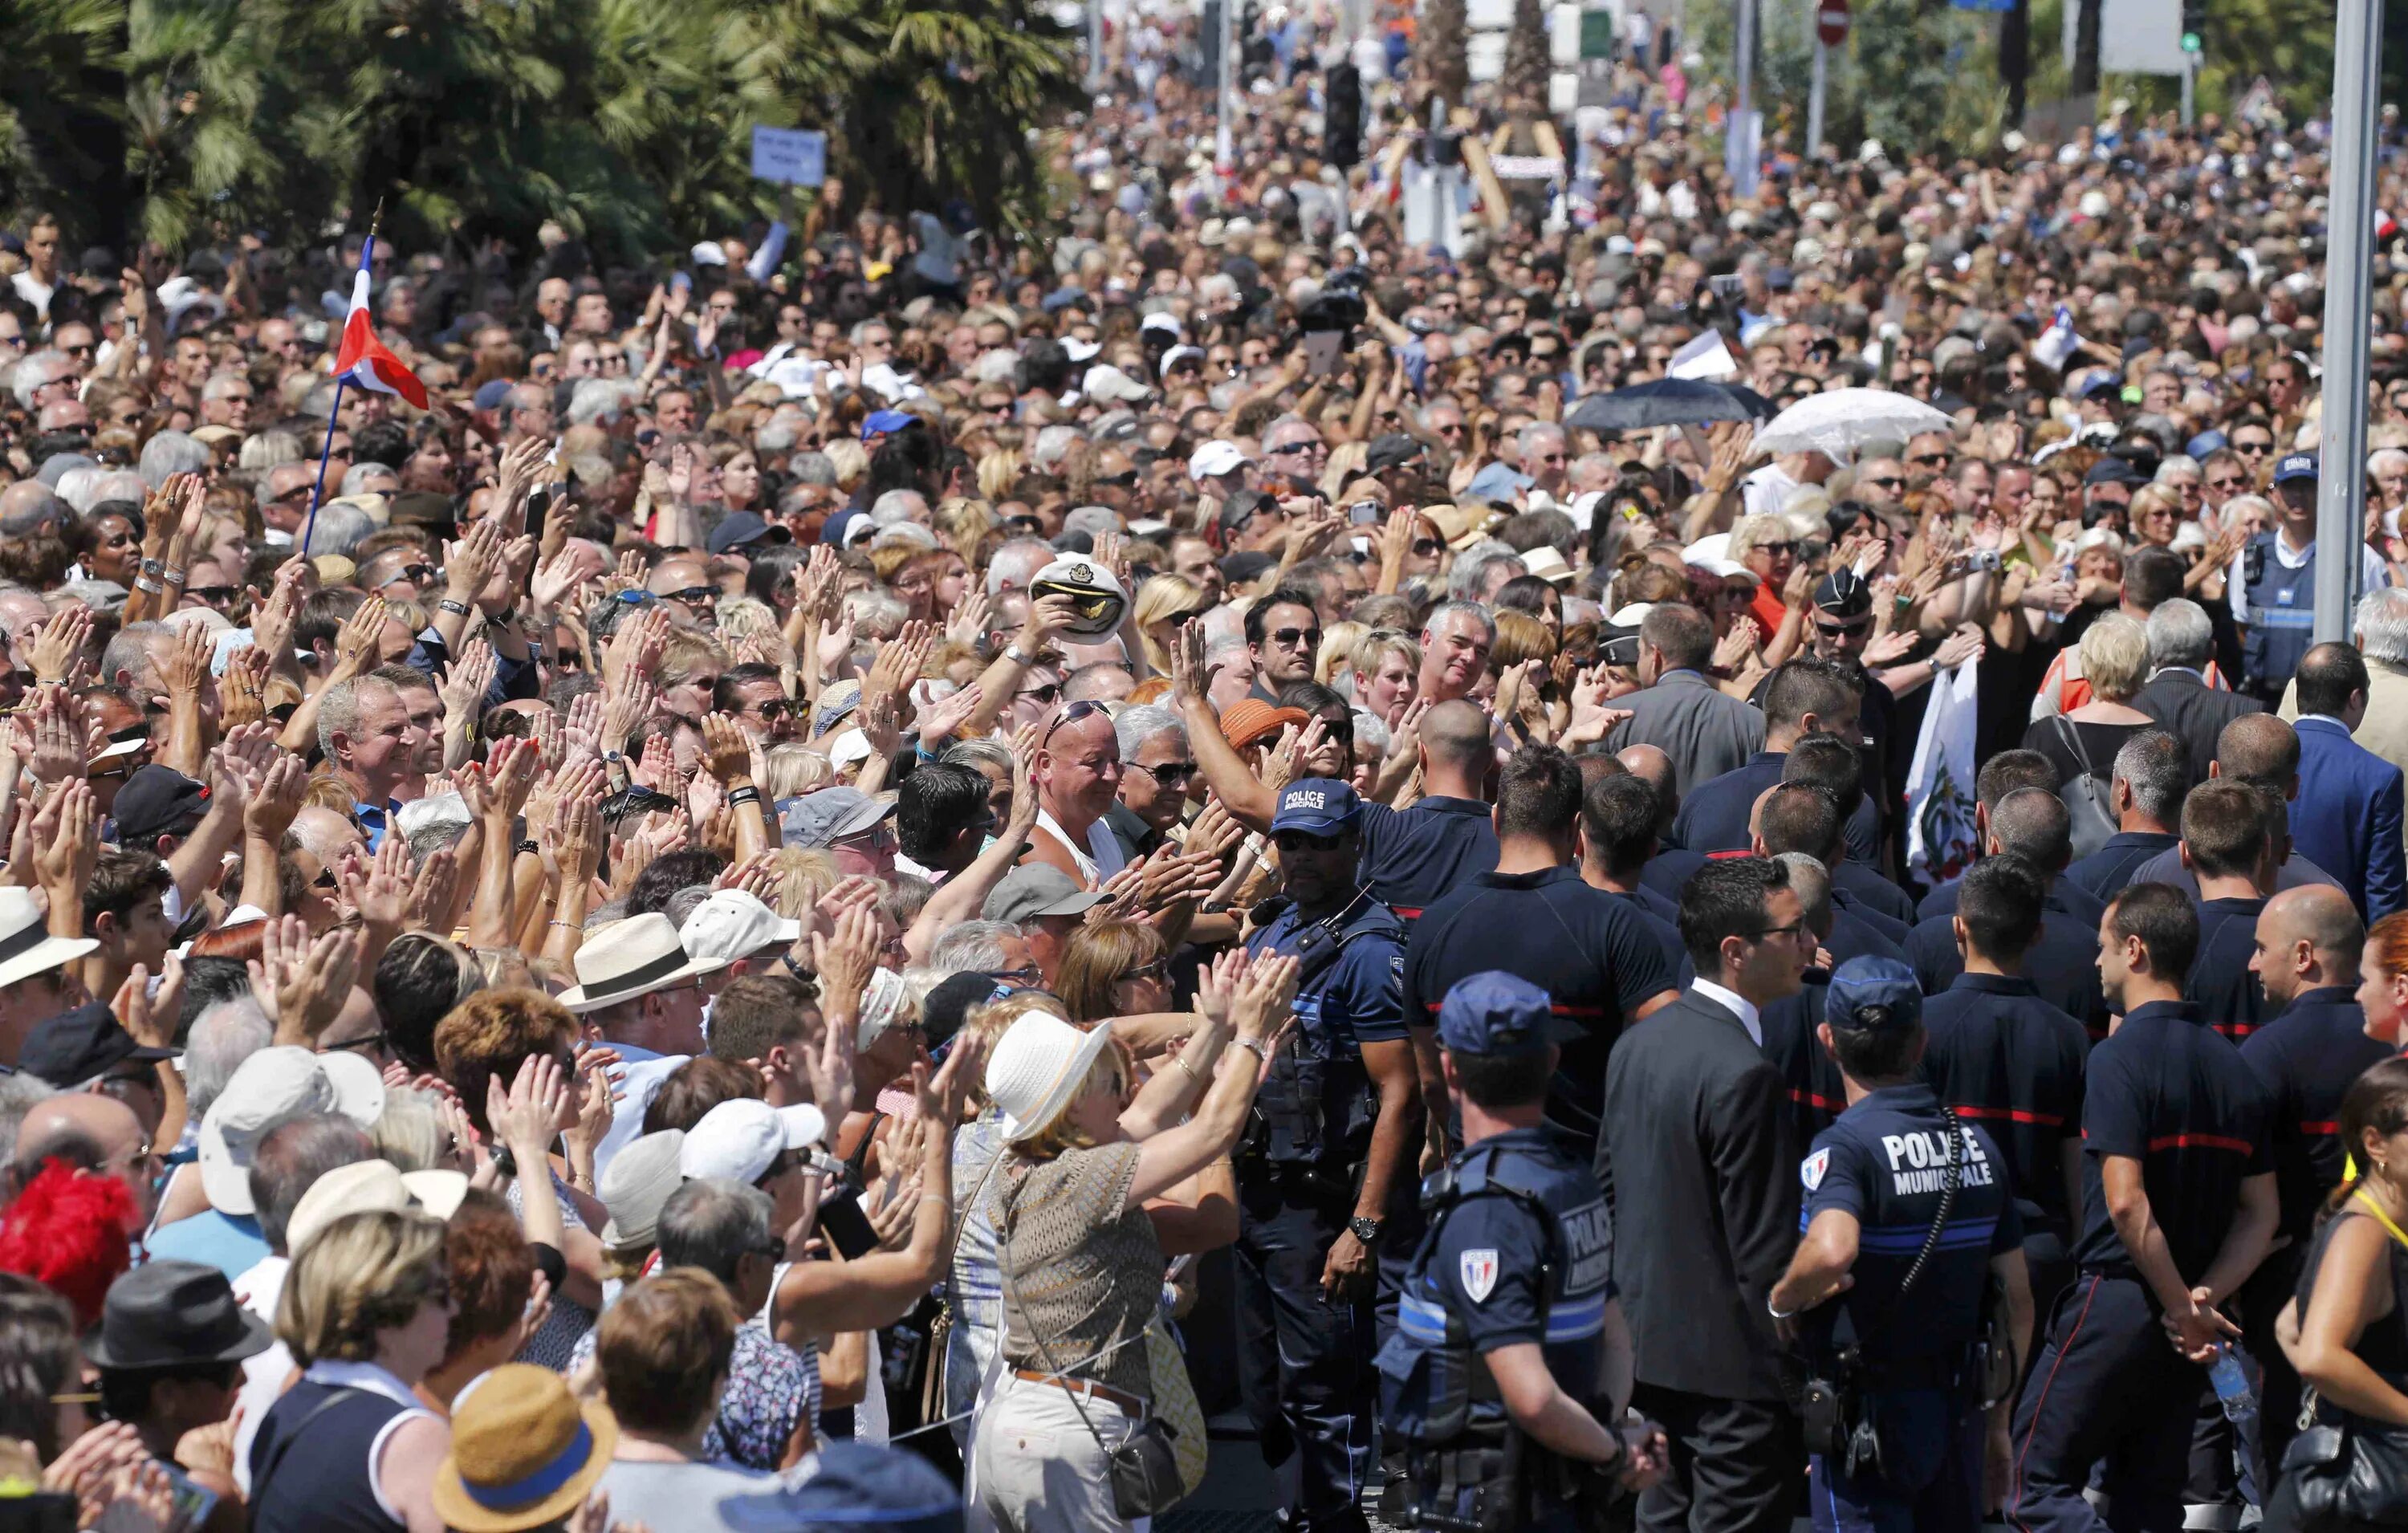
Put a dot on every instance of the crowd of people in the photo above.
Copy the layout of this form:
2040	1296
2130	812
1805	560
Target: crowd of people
842	889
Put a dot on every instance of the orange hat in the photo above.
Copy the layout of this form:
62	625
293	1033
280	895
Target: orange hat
1248	720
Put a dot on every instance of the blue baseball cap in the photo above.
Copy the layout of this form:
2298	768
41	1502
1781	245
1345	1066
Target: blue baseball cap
887	423
1494	1012
1877	994
1318	806
851	1486
2298	466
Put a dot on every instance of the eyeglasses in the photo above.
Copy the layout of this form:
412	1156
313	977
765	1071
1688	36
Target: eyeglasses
774	709
2255	450
1296	447
1048	694
1843	630
693	594
1085	707
1792	929
2233	483
1341	730
1027	974
1288	638
1175	774
1159	970
1427	548
1891	481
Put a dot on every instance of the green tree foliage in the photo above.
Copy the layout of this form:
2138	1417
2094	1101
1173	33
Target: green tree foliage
628	121
1922	78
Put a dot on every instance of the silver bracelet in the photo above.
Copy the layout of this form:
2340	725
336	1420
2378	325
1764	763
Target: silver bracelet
1252	1046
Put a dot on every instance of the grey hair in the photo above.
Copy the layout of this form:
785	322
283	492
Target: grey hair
1138	724
223	1037
775	436
267	448
1052	445
1016	564
596	400
80	487
340	528
712	1223
339	709
2158	768
20	1094
1093	521
129	650
355	477
2381	624
119	484
220	381
972	754
683	902
877	612
897	506
812	468
1462	609
168	454
37	371
2180	635
971	947
1471	568
1811	882
290	1159
1538	432
2385	457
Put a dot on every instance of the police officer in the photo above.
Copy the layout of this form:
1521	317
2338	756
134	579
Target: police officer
1908	1216
2178	1207
1510	1370
2277	584
1343	1094
1999	1056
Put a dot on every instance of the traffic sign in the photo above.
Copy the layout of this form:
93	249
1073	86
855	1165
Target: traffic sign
1832	22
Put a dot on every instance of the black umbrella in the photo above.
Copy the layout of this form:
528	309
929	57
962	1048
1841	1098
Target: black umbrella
1668	402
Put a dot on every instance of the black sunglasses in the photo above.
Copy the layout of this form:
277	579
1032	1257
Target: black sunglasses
1085	707
1175	774
692	593
1047	694
1287	638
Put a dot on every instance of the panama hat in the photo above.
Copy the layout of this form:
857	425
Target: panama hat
268	1087
630	958
1037	1063
524	1452
27	946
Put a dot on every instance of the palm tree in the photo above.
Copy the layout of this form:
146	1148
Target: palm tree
62	91
1443	52
1527	56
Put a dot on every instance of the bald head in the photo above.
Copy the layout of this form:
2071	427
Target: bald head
2307	937
25	504
1653	765
89	1131
1455	735
2261	749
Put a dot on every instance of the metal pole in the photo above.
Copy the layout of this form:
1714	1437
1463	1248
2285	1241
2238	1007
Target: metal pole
2349	251
2189	86
1814	102
1095	46
1741	112
1226	138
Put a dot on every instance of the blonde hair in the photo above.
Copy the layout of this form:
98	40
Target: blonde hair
2115	657
2154	497
409	1131
996	472
1377	644
1162	596
1337	651
361	1274
849	460
804	874
682	651
1759	529
1520	636
988	1020
794	769
1347	461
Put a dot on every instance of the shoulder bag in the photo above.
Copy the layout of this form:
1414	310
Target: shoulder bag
1145	1469
2087	802
2347	1470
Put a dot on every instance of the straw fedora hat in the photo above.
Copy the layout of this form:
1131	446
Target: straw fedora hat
1037	1063
522	1452
630	958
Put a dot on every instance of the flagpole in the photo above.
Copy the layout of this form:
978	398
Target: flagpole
326	443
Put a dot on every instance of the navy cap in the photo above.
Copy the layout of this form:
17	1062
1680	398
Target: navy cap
1844	594
740	529
1878	994
834	529
851	1484
82	1045
1318	806
2114	470
156	801
1494	1012
2298	466
885	423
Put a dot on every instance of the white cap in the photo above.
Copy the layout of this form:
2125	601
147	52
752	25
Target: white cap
1163	320
732	925
741	1139
270	1086
1080	350
1108	382
1214	458
708	254
1630	616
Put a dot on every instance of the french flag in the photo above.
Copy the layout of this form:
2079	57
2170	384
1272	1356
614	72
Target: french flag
364	360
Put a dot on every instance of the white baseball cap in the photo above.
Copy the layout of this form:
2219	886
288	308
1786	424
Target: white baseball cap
732	925
1215	458
741	1139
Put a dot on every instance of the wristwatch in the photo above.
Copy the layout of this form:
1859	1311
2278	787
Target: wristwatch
1364	1230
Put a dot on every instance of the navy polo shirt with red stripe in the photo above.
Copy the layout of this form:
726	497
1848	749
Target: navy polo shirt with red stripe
2307	1057
2172	1092
1816	1093
2221	982
1410	857
2007	1060
1590	951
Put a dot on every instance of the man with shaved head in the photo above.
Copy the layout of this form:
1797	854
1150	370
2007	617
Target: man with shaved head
2306	954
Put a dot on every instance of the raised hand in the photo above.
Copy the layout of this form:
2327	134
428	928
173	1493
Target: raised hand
845	959
362	634
432	892
301	983
59	642
276	800
271	625
379	889
67	841
967	624
151	1020
469	681
528	1116
242	691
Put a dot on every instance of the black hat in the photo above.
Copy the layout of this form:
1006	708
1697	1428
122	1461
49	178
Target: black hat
2114	470
422	509
1393	451
942	1012
157	801
82	1045
173	1314
1244	565
1844	594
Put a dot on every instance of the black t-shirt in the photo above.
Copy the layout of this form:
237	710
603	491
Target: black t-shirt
1413	856
2307	1057
1590	951
2010	1062
2170	1092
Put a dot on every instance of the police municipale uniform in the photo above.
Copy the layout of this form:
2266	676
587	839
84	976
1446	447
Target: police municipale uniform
1884	1161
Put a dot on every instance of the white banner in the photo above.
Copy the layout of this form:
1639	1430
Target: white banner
1940	791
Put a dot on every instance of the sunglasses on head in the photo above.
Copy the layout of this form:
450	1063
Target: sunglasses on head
1085	707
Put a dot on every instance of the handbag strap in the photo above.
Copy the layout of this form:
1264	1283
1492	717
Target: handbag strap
2371	1206
1078	1401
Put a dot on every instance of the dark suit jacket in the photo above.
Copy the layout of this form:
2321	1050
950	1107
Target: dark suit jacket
2347	818
1698	1157
2194	711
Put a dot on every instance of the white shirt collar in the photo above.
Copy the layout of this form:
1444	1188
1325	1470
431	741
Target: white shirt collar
1749	1017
